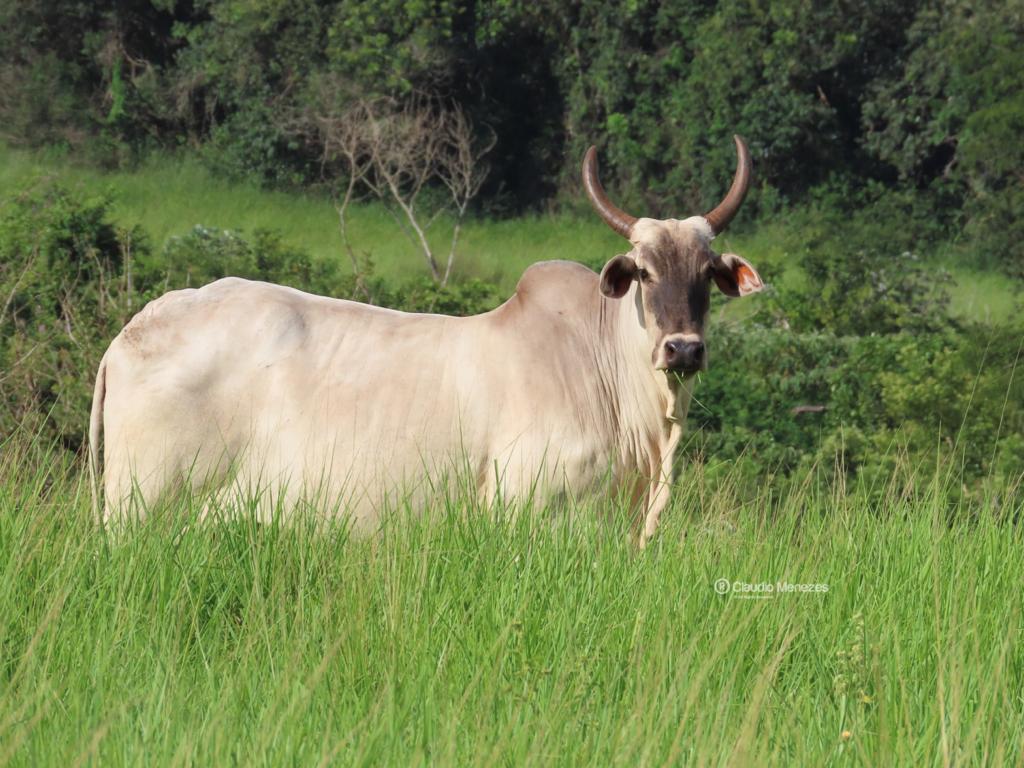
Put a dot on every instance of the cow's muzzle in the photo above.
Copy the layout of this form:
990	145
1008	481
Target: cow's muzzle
684	355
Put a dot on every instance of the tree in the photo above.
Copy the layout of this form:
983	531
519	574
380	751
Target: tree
396	149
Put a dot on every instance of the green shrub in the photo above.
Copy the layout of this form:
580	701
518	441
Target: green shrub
249	145
206	254
884	397
861	272
424	295
62	278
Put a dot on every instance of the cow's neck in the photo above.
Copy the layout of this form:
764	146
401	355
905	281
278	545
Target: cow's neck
652	405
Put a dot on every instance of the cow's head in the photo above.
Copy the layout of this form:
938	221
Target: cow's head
673	266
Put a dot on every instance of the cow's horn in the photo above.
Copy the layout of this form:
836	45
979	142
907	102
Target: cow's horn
722	214
614	216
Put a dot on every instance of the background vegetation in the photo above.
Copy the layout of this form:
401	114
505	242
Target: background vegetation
920	99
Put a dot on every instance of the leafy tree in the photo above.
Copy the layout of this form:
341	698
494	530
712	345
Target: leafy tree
71	68
923	96
952	115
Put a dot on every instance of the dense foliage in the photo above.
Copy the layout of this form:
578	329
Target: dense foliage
890	403
921	95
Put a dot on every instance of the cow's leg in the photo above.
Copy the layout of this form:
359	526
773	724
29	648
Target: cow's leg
659	498
663	477
131	487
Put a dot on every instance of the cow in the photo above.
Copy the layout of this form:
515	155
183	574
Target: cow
577	385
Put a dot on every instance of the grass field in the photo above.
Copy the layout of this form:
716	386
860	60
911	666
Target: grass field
472	639
167	197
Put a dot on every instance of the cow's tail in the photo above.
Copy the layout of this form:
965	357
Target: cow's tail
99	394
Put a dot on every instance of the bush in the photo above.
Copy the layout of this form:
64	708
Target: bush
248	145
425	295
206	254
860	272
65	296
883	397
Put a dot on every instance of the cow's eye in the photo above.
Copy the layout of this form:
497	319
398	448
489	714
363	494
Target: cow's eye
643	274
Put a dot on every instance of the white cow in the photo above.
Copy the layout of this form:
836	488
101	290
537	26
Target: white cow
577	384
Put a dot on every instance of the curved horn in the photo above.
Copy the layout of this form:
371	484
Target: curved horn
722	214
614	216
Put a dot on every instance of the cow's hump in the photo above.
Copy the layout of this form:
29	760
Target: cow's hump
557	286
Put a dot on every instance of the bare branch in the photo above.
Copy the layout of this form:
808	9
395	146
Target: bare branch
396	151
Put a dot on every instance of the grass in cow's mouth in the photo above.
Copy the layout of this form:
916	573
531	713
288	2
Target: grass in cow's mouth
813	626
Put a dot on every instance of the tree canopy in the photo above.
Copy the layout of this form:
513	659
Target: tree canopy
918	96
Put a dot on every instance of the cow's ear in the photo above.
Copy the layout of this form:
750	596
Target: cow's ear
616	276
735	276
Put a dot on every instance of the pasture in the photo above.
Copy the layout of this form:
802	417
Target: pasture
476	637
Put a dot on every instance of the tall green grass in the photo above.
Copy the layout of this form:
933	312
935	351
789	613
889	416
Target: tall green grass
469	637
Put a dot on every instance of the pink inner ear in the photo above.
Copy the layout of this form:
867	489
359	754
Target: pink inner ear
746	278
